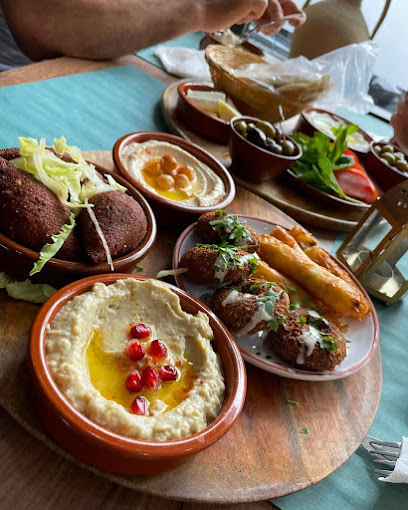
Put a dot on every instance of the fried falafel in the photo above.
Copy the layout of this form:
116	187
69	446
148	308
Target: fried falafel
251	306
217	264
123	223
218	226
310	341
30	213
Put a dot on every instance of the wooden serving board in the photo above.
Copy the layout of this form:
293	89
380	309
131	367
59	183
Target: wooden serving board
278	191
264	455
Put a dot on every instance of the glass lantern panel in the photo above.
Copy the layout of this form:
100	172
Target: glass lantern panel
401	258
366	239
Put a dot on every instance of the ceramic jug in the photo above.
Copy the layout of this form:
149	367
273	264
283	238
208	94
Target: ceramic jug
331	24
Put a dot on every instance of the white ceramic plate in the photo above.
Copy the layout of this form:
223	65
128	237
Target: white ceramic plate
363	336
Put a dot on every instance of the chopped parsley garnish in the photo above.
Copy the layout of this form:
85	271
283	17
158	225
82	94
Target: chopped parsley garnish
254	287
302	319
347	341
292	402
269	300
328	343
232	227
139	267
294	306
221	212
293	289
305	431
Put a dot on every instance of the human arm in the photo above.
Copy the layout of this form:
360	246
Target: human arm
399	121
104	29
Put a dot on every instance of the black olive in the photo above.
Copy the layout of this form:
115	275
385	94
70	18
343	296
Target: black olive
256	136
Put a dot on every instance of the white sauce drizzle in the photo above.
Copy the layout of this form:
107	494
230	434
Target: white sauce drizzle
310	339
221	272
259	316
235	297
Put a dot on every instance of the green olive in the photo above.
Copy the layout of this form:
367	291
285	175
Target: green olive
267	128
378	149
241	126
288	147
387	148
389	157
251	125
384	161
402	166
399	155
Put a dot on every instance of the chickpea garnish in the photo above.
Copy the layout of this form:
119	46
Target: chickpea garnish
188	171
153	169
168	164
165	181
182	181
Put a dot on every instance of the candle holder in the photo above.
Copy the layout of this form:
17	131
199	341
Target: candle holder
376	249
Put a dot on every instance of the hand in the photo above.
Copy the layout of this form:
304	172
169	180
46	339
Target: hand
221	14
276	10
399	121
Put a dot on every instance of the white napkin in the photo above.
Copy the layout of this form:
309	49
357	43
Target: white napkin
400	472
184	62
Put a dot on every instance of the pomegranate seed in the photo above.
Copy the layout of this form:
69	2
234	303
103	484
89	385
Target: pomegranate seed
134	381
139	405
135	351
158	349
140	331
150	378
168	373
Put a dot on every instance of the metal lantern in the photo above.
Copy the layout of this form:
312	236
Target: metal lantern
376	249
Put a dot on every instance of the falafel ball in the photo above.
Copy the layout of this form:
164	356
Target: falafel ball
123	223
309	341
30	213
239	306
229	228
202	261
11	153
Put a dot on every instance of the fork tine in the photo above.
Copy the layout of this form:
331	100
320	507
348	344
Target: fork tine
384	454
382	472
377	444
386	462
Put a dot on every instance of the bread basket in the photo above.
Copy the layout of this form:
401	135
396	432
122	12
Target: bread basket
250	97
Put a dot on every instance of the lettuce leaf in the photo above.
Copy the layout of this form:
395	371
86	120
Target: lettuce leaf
50	249
27	291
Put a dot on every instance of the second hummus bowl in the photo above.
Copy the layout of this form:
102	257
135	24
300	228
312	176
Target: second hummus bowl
106	450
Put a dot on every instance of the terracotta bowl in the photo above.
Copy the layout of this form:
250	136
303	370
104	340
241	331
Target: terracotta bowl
106	450
304	125
386	176
169	213
206	125
17	261
254	164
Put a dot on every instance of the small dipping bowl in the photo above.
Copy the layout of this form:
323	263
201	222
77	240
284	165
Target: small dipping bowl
17	260
171	213
94	445
306	126
386	176
204	124
254	164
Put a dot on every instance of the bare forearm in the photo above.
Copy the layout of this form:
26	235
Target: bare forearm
98	29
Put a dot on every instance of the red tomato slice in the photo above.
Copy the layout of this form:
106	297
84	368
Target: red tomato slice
355	182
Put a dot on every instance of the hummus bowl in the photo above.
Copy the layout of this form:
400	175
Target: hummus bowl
211	186
76	429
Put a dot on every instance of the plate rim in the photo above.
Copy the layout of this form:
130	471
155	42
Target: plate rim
278	369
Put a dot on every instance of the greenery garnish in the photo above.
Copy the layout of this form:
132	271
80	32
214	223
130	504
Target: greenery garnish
293	289
321	158
232	228
139	267
254	287
275	322
303	319
228	256
221	212
270	299
328	343
305	431
292	402
293	307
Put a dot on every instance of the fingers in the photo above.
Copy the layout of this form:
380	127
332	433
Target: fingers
274	12
290	7
220	14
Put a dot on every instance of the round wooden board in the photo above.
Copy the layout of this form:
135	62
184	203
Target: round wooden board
278	191
265	455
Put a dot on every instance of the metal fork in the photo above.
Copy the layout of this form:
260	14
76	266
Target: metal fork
246	29
383	452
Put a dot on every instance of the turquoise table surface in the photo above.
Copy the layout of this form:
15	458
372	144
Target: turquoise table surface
93	110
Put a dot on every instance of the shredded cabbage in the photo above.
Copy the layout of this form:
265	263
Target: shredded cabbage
50	249
27	291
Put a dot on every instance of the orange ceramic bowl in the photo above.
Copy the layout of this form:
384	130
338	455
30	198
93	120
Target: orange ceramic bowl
206	125
254	164
17	260
169	212
386	176
106	450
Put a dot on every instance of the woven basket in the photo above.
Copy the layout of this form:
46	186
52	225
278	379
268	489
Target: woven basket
251	98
